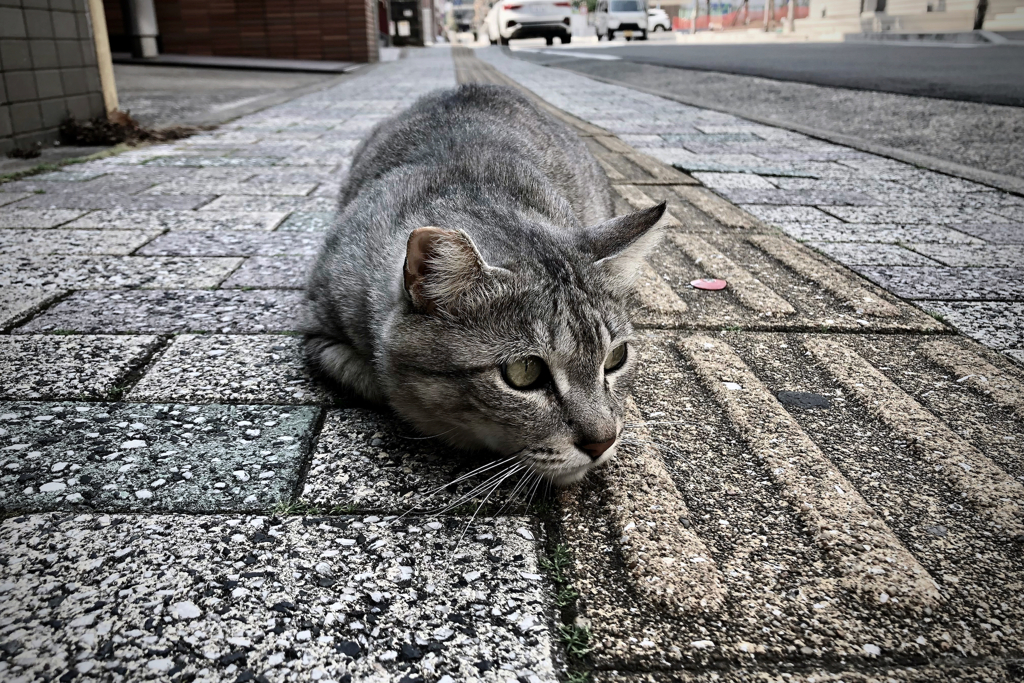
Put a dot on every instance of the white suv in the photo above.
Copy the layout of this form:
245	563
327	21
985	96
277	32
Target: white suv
628	17
512	19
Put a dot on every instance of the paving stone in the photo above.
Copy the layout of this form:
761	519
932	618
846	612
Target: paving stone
290	598
36	218
11	197
1000	233
264	369
858	253
776	215
111	272
797	197
199	161
187	186
998	324
912	214
721	163
18	302
937	282
271	272
69	366
309	221
371	461
1016	354
734	181
880	233
234	243
62	241
255	203
171	311
126	202
1001	256
147	458
181	220
1014	212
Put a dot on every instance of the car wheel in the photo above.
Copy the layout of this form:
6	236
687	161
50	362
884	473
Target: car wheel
643	35
566	39
549	40
659	27
504	40
611	36
493	41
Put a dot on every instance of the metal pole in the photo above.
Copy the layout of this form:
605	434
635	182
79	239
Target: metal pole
791	15
144	30
693	16
769	9
101	40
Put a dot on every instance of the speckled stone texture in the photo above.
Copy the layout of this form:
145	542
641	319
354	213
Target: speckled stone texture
109	272
181	220
287	599
69	367
170	311
185	243
229	369
271	272
60	241
146	457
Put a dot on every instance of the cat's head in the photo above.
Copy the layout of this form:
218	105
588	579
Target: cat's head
532	357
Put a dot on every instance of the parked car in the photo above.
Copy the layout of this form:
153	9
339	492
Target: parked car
628	17
514	19
658	20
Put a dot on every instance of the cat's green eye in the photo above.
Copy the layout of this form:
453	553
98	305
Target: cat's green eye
616	358
525	373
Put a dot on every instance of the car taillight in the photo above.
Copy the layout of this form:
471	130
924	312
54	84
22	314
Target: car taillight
511	7
563	4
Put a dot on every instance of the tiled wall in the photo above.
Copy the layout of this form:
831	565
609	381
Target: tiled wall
48	63
343	30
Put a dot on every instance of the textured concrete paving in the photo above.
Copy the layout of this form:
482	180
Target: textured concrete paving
818	480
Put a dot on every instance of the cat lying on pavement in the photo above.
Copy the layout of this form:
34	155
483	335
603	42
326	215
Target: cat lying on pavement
477	283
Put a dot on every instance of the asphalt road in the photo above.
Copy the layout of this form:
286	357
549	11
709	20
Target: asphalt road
989	74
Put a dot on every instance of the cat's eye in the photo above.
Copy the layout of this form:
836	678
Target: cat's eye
525	373
616	358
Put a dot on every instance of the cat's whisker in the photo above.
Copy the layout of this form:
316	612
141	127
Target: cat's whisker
526	478
479	488
479	470
480	507
433	436
634	425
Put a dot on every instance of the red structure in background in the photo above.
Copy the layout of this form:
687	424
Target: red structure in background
735	19
334	30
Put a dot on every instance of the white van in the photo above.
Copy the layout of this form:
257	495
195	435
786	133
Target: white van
625	17
514	19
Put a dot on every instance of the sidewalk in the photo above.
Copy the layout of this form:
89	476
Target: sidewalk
826	486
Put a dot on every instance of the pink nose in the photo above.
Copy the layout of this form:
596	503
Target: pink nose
596	450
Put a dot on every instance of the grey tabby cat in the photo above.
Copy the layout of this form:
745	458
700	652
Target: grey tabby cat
476	282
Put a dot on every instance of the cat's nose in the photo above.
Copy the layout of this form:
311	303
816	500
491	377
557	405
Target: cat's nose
597	449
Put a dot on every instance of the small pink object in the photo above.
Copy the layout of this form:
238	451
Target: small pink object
709	284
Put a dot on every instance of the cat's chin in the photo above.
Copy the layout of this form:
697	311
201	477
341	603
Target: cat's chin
569	475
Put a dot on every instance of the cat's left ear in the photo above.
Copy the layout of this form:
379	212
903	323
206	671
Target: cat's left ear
621	245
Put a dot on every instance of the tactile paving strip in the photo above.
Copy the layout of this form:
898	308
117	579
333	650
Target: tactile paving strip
829	533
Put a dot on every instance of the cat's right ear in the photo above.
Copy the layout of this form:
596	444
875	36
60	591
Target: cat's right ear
621	245
442	268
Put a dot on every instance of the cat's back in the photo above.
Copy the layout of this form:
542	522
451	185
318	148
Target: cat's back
488	133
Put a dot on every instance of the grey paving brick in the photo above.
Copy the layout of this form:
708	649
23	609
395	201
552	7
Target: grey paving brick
171	311
198	161
777	215
996	256
290	598
69	175
187	186
1016	354
998	324
233	243
736	181
937	282
939	215
181	220
62	241
1014	212
17	302
309	221
247	203
11	197
126	202
271	272
68	366
891	234
722	163
999	233
797	197
36	218
266	369
860	253
144	457
371	461
111	272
